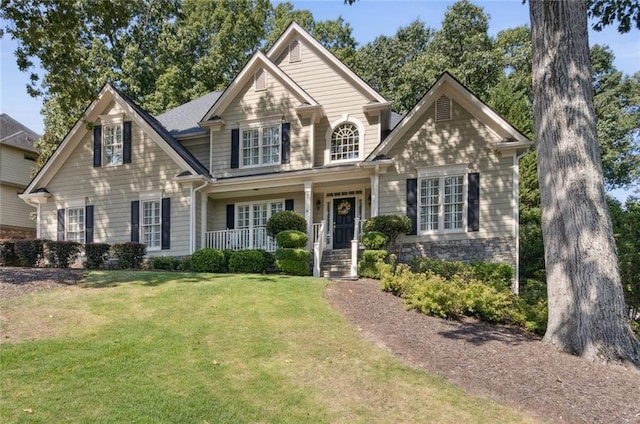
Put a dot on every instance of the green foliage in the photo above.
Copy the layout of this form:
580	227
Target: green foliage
372	263
374	240
445	269
497	274
291	239
494	274
8	255
29	252
285	220
248	261
97	254
60	254
129	255
391	226
293	261
167	263
208	260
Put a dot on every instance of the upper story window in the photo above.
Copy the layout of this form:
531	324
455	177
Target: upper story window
113	144
345	142
260	146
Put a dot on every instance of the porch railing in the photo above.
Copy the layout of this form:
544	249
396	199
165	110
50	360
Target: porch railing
238	239
319	244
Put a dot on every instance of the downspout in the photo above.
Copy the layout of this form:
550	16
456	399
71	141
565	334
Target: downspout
192	221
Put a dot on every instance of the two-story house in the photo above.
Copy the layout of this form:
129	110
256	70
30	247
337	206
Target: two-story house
17	160
296	129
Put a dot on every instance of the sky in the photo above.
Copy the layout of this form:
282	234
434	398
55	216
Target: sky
368	19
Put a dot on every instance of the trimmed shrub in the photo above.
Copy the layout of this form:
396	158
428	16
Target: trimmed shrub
495	274
269	260
369	265
185	265
208	260
228	254
248	261
285	220
291	239
62	253
391	226
8	255
97	254
293	261
129	255
374	240
29	252
167	263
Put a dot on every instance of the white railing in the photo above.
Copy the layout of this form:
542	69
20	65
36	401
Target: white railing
360	227
357	230
319	244
245	238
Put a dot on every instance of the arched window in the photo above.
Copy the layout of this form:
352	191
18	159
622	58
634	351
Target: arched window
345	142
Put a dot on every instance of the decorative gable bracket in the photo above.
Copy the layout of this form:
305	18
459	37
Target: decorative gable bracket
314	112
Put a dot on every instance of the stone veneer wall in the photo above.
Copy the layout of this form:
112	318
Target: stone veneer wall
484	250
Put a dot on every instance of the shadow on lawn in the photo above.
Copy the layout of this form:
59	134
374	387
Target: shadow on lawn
105	279
479	333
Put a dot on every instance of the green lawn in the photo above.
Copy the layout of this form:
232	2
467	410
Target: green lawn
193	348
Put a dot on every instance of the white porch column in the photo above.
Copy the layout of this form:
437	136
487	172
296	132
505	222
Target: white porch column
38	219
308	211
375	186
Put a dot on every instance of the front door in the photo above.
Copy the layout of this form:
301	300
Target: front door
344	212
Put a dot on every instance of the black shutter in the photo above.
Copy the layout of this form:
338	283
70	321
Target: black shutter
60	224
473	200
166	223
88	224
97	146
231	219
235	148
412	204
286	143
135	221
288	205
126	142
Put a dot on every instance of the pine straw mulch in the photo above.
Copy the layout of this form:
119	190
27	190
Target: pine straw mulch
498	362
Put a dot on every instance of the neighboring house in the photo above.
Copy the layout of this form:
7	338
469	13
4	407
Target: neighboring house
17	160
296	129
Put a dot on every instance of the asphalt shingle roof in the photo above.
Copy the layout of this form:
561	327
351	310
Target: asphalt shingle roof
183	120
13	133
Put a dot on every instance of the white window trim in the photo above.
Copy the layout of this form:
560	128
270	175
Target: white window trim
442	172
75	204
361	134
251	204
145	197
104	147
260	126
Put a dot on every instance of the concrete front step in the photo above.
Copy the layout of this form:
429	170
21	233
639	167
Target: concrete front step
336	264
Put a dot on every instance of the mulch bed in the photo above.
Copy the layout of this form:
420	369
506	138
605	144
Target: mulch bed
497	362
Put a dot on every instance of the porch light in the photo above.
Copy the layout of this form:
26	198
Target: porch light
318	204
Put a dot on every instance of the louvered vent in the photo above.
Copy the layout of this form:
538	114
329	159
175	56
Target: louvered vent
443	108
260	80
295	51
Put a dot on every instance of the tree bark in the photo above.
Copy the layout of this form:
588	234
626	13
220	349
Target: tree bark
587	313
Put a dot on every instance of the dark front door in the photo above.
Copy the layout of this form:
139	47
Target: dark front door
344	212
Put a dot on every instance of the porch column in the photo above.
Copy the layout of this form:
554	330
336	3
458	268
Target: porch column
375	183
308	211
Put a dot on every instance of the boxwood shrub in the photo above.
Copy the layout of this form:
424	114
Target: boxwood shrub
291	239
293	261
369	265
60	254
167	263
97	254
129	255
208	260
374	240
248	261
390	225
8	255
285	220
29	252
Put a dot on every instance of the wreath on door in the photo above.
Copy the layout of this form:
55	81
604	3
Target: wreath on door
343	208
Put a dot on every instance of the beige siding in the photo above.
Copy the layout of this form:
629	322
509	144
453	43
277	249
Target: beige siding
199	148
14	168
111	189
275	104
461	141
13	210
328	86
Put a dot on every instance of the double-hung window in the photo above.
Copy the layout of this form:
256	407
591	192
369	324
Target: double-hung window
261	146
254	215
75	224
151	224
113	145
442	202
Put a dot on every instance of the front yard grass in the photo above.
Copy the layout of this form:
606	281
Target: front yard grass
151	347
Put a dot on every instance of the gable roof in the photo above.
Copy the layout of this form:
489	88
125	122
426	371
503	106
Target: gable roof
182	120
294	30
257	60
468	100
13	133
158	133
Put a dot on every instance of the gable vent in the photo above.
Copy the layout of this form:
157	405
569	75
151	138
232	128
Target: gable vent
295	50
260	80
443	108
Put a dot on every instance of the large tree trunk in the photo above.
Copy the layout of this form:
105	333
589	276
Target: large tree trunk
587	313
